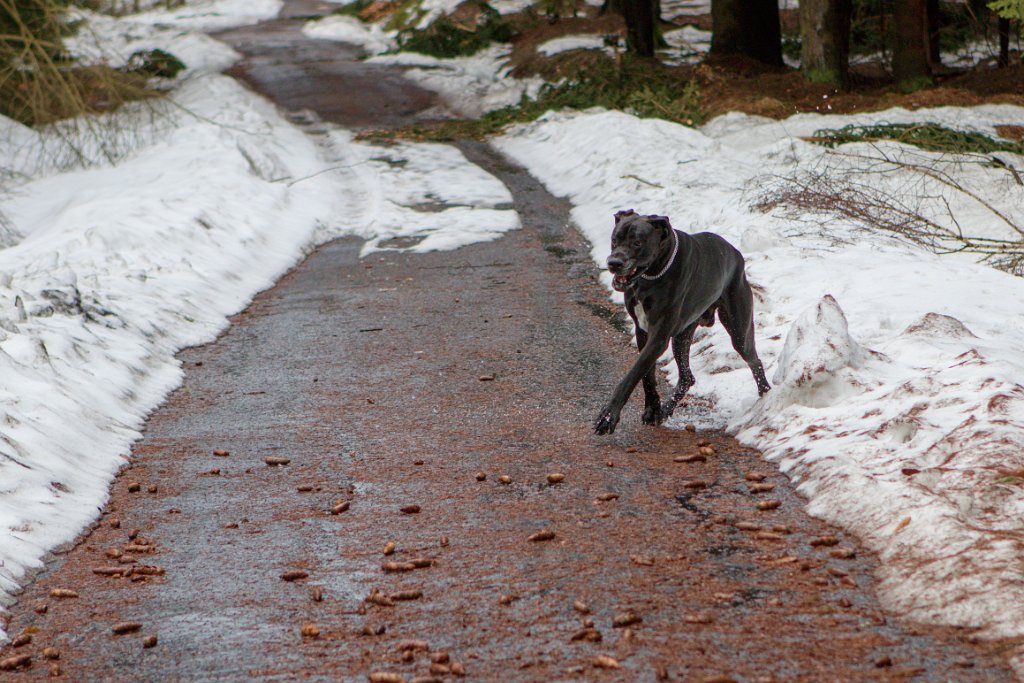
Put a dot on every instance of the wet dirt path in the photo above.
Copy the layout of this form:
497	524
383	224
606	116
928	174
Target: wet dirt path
364	403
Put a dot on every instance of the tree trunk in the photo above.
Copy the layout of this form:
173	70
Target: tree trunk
747	27
640	19
910	44
1004	41
825	41
934	23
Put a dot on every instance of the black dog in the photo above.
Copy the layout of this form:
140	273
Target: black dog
672	283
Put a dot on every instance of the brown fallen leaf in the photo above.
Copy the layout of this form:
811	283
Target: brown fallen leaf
902	525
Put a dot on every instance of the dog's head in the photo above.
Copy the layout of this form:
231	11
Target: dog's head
637	241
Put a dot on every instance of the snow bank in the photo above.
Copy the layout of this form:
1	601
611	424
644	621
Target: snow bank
897	406
347	29
106	271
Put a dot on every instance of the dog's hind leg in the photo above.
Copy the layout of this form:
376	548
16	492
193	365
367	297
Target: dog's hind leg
681	352
652	402
736	311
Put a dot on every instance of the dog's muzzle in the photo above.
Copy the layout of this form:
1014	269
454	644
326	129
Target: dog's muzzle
622	272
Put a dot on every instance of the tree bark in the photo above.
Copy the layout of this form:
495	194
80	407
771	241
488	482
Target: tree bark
747	27
640	22
934	22
825	41
910	44
1004	42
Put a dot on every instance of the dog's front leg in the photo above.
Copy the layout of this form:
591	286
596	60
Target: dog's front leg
652	402
656	344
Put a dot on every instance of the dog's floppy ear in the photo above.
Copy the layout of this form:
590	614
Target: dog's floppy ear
660	222
619	215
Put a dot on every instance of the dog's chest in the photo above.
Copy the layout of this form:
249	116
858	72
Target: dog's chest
641	315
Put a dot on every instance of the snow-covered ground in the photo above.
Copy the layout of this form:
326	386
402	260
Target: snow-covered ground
108	270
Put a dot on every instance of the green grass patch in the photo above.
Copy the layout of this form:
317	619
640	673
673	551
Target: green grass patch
927	136
446	39
637	86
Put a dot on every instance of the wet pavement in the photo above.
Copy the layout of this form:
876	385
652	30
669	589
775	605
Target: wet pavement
323	499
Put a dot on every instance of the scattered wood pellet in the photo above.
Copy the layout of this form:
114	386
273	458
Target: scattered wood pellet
113	553
883	661
696	457
398	566
690	428
505	479
843	553
698	618
542	535
706	450
632	449
481	476
138	549
824	541
215	472
41	608
605	662
417	462
63	593
149	641
413	644
133	534
844	602
718	678
695	484
487	378
590	635
624	619
457	668
507	599
22	640
780	528
427	679
703	442
294	575
152	488
149	570
305	488
386	677
439	657
787	559
221	453
410	509
110	571
902	525
407	595
556	477
421	562
377	598
16	662
605	497
768	504
115	523
55	671
275	461
747	526
768	536
581	607
51	653
389	548
310	631
848	581
838	572
134	487
761	488
439	669
642	560
231	525
756	476
317	594
443	541
126	627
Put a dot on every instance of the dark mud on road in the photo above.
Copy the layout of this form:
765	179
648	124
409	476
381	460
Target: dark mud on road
400	389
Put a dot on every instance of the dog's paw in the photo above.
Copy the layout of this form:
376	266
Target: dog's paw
606	421
667	408
654	414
